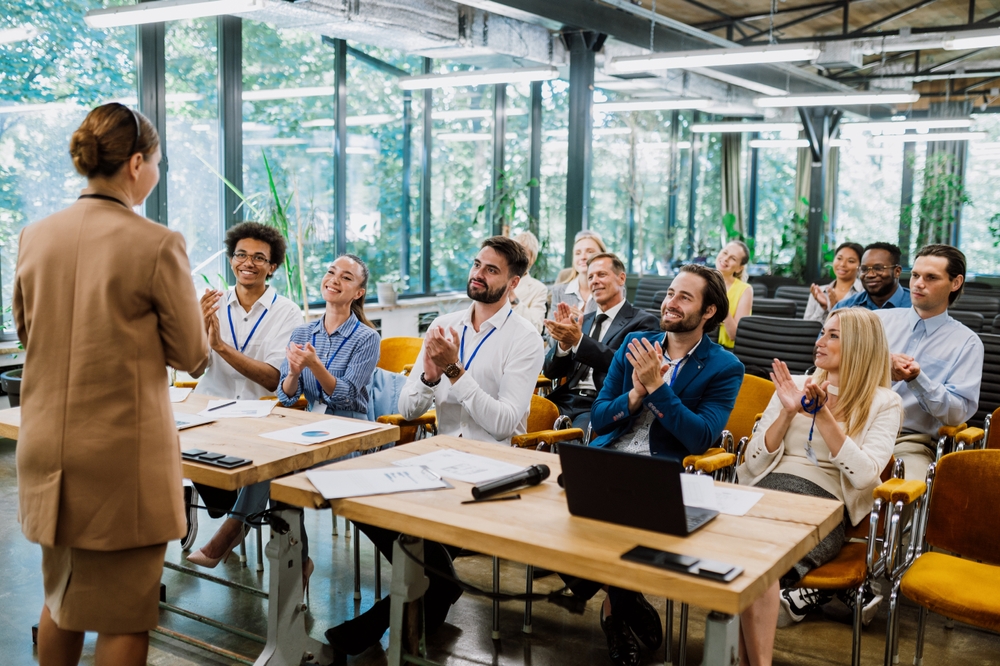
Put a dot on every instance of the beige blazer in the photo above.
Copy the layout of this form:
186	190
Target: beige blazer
103	302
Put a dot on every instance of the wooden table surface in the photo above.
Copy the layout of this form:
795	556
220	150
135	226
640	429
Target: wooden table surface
240	437
539	529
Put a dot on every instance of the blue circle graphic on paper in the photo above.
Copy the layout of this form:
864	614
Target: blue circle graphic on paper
315	433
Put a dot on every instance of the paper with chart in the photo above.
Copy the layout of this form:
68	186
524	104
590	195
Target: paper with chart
462	466
338	484
701	491
238	409
179	394
321	431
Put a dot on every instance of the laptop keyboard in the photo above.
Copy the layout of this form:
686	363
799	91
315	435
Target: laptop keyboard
693	521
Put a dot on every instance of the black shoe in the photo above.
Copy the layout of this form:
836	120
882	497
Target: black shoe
644	621
622	648
355	636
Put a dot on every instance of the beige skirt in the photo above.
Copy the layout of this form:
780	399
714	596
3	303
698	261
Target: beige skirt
110	592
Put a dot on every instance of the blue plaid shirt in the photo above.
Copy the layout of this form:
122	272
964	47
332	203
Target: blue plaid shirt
353	366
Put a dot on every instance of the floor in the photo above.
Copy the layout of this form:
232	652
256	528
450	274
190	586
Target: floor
558	637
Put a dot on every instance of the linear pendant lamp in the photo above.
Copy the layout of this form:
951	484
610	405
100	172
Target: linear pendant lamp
19	34
478	77
167	10
979	39
652	105
903	125
733	128
837	99
749	55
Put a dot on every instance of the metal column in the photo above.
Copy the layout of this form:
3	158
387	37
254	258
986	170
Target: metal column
673	183
405	270
820	124
340	143
581	46
906	201
693	187
752	190
535	160
230	37
425	186
499	138
151	66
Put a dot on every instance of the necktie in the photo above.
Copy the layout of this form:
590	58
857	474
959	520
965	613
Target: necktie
595	331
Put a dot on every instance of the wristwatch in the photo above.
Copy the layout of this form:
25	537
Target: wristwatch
452	370
427	383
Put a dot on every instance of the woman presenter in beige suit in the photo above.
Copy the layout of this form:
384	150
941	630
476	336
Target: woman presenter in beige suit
103	302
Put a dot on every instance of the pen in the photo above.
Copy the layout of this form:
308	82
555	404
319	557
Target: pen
492	499
225	404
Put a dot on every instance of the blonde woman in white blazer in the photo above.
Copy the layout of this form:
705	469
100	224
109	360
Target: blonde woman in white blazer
839	456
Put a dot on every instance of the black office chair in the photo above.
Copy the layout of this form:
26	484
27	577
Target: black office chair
800	295
772	282
646	290
981	288
759	290
989	389
988	306
760	340
973	320
657	302
774	307
995	329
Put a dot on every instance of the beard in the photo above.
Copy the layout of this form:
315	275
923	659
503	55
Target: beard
684	325
484	294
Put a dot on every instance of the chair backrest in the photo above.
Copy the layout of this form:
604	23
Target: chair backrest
645	291
542	414
963	517
995	328
973	320
752	400
772	282
800	295
988	306
658	299
978	287
993	436
774	307
989	388
760	340
394	353
759	290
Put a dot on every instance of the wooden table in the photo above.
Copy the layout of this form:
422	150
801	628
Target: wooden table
539	530
271	459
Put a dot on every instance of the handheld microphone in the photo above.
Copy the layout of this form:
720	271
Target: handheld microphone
531	476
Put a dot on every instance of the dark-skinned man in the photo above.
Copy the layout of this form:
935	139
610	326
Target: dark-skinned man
879	273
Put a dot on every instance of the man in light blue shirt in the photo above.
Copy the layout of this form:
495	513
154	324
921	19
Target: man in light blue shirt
879	272
937	362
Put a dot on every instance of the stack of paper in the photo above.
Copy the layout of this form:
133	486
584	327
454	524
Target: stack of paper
338	484
179	394
700	490
238	409
462	466
321	431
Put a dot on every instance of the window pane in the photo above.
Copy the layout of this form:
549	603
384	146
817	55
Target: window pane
47	86
552	185
775	202
870	184
980	232
193	190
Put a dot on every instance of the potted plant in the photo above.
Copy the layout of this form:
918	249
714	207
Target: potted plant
388	288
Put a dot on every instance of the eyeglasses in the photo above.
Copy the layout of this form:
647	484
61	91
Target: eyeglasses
257	259
865	270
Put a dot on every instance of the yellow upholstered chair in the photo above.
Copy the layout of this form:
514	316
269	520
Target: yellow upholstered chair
963	584
542	430
186	384
398	354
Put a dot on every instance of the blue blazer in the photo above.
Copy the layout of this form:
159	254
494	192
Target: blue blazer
693	411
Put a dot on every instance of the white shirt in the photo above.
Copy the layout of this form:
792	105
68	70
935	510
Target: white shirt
587	381
532	300
490	402
275	317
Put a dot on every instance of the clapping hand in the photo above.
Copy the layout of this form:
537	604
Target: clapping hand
788	393
816	394
904	368
647	363
300	357
567	327
820	296
209	306
441	347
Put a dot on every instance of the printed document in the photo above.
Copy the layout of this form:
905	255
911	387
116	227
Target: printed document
338	484
321	431
238	409
700	490
179	394
462	466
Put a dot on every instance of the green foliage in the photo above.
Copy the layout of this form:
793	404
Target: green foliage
941	200
793	238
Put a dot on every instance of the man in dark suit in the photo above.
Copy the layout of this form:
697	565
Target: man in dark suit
583	347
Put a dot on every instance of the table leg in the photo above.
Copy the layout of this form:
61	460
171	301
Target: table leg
288	643
722	640
406	622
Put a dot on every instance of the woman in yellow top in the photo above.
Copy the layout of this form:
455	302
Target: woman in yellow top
732	263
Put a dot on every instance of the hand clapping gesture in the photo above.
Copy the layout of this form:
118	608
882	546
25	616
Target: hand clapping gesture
300	357
209	306
788	393
647	365
567	327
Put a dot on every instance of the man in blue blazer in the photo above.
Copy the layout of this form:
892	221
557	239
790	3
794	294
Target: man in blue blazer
668	394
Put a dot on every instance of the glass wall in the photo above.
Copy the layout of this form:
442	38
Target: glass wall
552	184
775	202
869	188
980	235
47	85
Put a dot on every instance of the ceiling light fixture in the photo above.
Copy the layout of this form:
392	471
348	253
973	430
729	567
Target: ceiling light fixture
287	93
903	125
928	138
749	55
478	77
652	105
738	81
462	136
837	99
709	128
978	39
779	143
19	34
167	10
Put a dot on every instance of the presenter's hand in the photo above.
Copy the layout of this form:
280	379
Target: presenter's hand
441	347
646	360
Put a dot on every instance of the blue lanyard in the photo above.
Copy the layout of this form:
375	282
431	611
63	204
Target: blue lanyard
319	387
232	329
811	407
461	345
677	366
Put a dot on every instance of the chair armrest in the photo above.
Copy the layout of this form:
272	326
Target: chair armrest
970	436
429	418
898	490
550	437
689	461
186	384
951	431
407	368
713	463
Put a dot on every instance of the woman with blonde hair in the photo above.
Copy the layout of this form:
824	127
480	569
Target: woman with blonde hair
531	297
571	285
829	435
732	263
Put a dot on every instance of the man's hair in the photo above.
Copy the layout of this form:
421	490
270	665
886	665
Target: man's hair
258	232
616	263
511	250
714	293
893	250
956	264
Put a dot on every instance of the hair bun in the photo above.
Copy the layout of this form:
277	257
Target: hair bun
85	151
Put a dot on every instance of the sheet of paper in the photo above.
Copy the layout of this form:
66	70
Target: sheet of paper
238	409
190	420
337	484
462	466
699	490
179	394
321	431
736	502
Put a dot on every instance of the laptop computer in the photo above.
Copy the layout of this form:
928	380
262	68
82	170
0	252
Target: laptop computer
628	489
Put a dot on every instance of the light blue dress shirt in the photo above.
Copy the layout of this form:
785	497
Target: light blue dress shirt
899	299
946	392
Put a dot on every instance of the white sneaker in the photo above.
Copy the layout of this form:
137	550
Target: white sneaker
870	602
796	602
